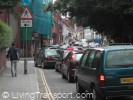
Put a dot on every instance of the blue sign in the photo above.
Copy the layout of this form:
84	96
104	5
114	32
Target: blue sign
26	2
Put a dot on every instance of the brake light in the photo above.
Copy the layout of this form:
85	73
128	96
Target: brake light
102	80
47	58
70	48
73	56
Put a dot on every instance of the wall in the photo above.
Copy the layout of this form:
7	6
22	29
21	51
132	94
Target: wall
2	60
4	15
14	23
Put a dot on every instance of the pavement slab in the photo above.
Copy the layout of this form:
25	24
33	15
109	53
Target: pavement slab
22	87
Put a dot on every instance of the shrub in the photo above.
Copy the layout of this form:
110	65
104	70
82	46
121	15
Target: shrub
6	35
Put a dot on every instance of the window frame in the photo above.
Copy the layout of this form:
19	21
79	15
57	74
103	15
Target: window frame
81	60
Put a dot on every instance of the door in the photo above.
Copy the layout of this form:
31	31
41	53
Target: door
88	70
94	63
66	63
81	69
119	70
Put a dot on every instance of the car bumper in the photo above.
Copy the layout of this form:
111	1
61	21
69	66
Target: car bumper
49	63
104	92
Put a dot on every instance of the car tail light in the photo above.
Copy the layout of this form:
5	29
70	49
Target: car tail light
47	58
70	48
73	56
102	80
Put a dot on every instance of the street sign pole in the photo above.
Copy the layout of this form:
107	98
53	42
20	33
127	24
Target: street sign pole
26	22
25	61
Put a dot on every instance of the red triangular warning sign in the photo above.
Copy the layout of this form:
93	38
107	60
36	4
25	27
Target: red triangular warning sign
26	14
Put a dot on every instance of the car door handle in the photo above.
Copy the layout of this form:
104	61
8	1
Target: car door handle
92	68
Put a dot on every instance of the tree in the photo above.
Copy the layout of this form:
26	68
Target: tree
6	35
112	17
8	3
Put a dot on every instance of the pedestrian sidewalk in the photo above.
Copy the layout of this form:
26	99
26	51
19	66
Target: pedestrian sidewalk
22	87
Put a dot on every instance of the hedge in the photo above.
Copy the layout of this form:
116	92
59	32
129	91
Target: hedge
6	35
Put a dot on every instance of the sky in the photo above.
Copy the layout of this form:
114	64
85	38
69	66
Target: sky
54	0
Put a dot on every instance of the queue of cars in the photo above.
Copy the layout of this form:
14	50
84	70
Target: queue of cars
104	71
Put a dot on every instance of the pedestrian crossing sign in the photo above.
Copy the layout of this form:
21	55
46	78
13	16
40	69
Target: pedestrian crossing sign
26	14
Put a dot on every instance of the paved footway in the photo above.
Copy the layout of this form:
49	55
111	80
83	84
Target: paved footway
22	87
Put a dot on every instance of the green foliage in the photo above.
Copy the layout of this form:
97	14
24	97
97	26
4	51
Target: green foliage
113	17
49	7
6	35
8	3
17	10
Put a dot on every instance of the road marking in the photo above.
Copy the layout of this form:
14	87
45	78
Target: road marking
46	85
37	81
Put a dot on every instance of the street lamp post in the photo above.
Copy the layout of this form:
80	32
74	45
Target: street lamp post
25	61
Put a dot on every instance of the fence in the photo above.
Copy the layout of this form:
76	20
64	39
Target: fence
2	60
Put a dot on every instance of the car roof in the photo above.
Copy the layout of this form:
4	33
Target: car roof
110	48
78	51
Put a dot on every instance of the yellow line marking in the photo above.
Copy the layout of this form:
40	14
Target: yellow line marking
49	91
44	84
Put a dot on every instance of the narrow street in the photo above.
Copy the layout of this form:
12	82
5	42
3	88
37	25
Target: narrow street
38	84
53	82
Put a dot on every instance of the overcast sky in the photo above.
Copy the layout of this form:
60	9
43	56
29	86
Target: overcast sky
54	0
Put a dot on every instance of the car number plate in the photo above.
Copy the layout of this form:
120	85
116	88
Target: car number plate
127	80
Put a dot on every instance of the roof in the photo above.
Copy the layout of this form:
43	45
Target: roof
109	48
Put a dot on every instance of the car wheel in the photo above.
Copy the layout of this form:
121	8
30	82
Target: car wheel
63	76
42	65
36	65
60	68
69	78
56	68
95	95
79	89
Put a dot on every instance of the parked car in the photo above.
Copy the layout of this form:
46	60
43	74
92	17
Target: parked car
69	64
74	48
46	58
82	42
64	47
58	65
54	47
78	43
106	72
93	44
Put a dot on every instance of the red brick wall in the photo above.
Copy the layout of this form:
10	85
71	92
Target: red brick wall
2	60
4	15
56	29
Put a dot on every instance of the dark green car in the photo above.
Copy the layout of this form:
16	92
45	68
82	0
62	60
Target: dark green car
46	58
106	72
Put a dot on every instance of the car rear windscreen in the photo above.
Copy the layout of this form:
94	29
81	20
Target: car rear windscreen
119	58
78	56
51	52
